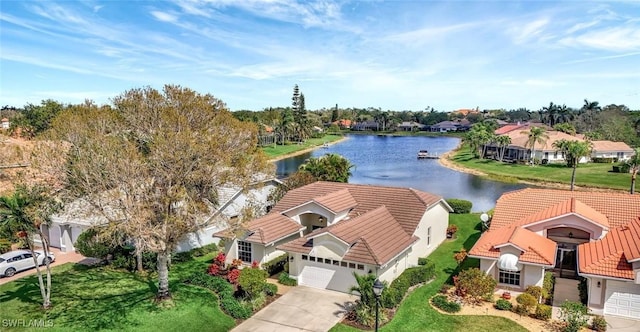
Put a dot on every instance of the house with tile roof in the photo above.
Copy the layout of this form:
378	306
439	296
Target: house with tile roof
331	230
595	235
520	150
5	124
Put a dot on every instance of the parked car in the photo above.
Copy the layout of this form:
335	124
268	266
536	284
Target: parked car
20	260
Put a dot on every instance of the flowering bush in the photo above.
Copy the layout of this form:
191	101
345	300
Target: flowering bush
452	229
236	263
213	269
460	255
255	265
233	276
21	234
220	259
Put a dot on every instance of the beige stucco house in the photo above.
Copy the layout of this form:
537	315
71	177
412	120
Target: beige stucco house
595	235
331	230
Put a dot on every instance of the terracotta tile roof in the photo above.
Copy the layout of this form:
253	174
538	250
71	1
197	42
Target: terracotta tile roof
609	146
507	128
406	205
610	256
374	237
268	229
569	206
520	137
535	248
337	201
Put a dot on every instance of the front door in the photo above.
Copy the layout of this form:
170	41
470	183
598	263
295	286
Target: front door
566	263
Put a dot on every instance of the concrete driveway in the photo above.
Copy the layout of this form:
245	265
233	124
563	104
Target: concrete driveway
300	309
61	258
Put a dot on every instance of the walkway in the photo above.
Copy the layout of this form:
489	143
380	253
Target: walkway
565	290
300	309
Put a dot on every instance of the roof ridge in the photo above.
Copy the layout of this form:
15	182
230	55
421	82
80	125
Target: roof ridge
539	253
373	254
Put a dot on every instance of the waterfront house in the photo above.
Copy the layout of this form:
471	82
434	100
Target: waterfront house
366	125
411	126
595	235
331	230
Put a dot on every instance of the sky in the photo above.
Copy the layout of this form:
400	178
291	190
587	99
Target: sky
396	55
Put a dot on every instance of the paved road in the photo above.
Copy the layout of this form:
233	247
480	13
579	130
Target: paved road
300	309
61	258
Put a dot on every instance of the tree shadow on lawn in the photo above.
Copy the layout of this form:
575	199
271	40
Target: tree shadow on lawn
468	262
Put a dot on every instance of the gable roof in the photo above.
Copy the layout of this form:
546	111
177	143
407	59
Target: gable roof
337	201
609	257
406	205
610	146
267	229
373	238
534	248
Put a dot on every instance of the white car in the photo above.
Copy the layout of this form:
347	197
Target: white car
19	260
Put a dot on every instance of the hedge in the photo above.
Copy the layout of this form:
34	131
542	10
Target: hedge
459	206
224	289
284	279
503	304
543	312
441	302
393	295
276	265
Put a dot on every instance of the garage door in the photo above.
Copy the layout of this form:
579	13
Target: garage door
622	299
315	277
324	276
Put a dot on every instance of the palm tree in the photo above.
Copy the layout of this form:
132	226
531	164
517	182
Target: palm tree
330	167
503	142
535	135
573	151
634	166
366	305
24	212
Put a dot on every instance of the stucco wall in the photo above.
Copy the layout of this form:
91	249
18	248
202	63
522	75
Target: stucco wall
571	221
437	218
533	276
394	269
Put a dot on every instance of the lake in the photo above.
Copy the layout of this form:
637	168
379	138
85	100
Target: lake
392	161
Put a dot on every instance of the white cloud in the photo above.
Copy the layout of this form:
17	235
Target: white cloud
610	39
527	32
164	17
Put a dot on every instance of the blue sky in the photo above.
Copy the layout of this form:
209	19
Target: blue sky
398	55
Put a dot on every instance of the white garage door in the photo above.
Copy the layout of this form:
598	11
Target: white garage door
622	299
54	236
325	276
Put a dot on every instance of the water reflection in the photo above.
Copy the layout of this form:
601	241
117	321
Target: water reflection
391	161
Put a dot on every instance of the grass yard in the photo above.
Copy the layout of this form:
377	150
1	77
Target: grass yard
587	175
281	150
96	298
416	314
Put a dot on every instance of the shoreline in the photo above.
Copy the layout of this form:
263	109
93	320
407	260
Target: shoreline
309	149
445	161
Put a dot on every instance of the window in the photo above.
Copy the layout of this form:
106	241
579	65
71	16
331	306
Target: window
327	261
244	251
360	267
352	265
312	258
428	236
509	278
314	227
336	262
304	257
343	264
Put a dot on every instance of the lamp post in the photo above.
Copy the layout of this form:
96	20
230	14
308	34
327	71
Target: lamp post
377	290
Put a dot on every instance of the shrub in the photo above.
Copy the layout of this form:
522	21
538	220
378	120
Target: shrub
599	324
574	314
228	302
460	255
441	302
582	290
423	261
503	304
252	281
536	291
233	276
284	279
527	301
276	265
257	302
204	250
88	244
452	229
521	310
475	283
543	312
548	285
180	257
270	289
445	289
5	246
459	206
393	295
236	309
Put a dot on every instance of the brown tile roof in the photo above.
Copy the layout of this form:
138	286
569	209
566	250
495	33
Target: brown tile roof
268	229
374	237
337	201
406	205
507	128
535	248
520	137
568	206
610	256
609	146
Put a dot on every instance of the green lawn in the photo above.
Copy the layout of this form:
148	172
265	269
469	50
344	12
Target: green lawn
587	175
281	150
415	312
87	299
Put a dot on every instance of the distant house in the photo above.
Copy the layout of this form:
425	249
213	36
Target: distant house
608	149
66	226
366	125
447	126
594	235
464	112
332	230
4	123
411	126
343	123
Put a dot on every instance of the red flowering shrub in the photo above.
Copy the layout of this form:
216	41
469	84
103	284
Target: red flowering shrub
21	234
220	259
255	265
233	276
214	269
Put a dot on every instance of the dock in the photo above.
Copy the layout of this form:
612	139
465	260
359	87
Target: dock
429	156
